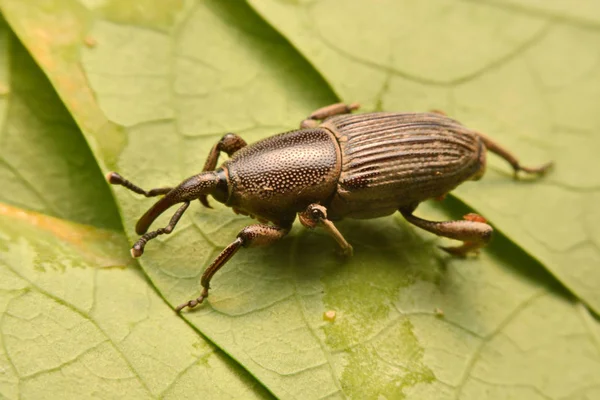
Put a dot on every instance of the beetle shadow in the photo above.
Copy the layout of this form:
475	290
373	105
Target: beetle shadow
307	262
387	252
390	254
391	258
398	269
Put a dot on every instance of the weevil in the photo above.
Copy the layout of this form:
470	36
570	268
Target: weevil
337	165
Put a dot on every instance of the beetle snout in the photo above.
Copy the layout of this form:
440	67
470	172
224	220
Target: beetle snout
190	189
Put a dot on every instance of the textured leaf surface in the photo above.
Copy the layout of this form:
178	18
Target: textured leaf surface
70	328
526	73
45	163
409	321
79	320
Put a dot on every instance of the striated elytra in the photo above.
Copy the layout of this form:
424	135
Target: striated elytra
338	165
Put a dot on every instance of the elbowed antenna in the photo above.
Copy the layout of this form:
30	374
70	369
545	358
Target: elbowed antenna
191	189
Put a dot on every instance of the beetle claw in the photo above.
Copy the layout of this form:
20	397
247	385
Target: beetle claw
346	252
194	302
541	170
191	304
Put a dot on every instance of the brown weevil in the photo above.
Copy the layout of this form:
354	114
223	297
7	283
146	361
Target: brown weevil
338	165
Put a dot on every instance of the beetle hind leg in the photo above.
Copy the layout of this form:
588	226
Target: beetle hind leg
328	111
473	231
511	159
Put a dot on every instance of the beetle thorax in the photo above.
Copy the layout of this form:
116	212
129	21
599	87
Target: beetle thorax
279	176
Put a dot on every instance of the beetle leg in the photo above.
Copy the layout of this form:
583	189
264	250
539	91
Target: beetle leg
138	248
116	179
250	236
230	143
512	160
316	214
473	231
326	112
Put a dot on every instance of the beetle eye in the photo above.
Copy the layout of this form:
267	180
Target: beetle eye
316	213
221	192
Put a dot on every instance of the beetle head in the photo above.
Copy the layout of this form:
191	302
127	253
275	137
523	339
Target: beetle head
195	187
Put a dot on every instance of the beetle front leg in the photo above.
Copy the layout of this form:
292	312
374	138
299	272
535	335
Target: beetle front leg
473	231
316	215
230	143
138	248
250	236
326	112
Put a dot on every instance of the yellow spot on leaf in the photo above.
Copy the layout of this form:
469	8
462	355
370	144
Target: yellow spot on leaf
4	89
151	13
92	243
90	41
329	315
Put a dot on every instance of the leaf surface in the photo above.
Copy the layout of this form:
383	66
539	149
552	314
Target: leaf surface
45	163
409	322
79	319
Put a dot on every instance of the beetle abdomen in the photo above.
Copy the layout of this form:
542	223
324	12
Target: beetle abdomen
391	160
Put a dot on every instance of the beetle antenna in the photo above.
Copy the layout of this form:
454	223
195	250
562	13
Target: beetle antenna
191	189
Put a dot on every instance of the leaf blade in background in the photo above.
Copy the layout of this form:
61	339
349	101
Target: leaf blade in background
73	328
228	71
45	163
57	174
524	74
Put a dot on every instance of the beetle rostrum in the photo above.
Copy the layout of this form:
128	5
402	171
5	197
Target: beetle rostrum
337	165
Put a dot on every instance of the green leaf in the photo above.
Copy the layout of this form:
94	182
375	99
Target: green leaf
70	327
45	163
523	72
80	320
410	322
